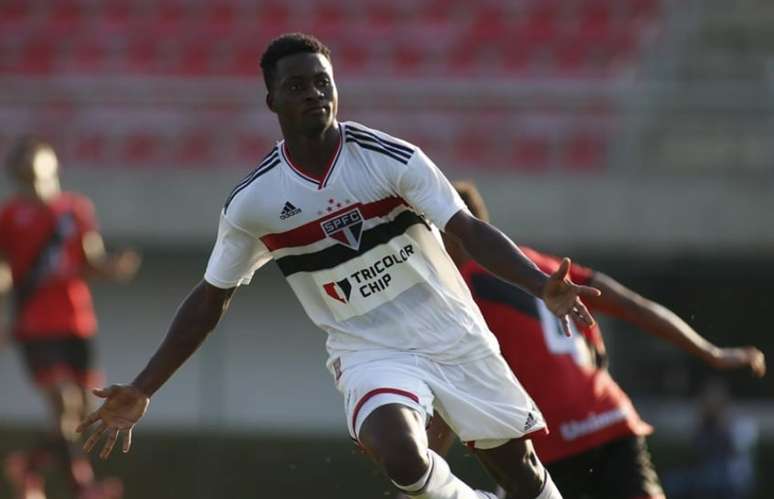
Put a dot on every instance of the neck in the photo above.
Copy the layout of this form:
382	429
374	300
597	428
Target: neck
312	152
42	190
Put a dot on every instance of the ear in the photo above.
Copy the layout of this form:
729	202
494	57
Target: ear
270	102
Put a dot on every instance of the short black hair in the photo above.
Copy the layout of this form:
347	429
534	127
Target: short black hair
23	151
289	44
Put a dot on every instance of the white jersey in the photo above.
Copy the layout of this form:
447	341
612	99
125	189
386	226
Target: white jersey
356	249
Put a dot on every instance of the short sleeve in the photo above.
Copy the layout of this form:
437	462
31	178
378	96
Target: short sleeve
236	256
428	191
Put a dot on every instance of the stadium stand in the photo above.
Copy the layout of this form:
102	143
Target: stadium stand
538	42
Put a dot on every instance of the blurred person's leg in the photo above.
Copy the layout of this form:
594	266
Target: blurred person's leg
516	467
627	471
62	371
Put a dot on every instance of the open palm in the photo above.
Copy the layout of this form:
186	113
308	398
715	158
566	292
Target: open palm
563	298
122	409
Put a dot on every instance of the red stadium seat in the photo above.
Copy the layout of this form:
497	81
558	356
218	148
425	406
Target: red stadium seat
195	58
88	54
142	54
195	149
251	148
116	15
530	153
64	18
14	15
90	148
584	152
37	57
407	58
140	149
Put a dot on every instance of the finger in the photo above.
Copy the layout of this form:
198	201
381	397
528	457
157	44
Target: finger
102	392
127	441
90	420
94	438
564	269
582	314
565	320
110	442
587	290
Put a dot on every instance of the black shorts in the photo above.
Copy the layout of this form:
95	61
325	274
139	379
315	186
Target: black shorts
53	361
620	469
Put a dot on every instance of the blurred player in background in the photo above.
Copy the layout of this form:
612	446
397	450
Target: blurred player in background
596	446
49	245
339	207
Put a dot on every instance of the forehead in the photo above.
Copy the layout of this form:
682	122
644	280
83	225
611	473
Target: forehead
305	64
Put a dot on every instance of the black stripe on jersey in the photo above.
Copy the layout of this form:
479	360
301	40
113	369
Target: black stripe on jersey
490	288
376	148
384	142
269	162
337	254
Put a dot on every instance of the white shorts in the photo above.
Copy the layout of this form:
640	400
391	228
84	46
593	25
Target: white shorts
481	400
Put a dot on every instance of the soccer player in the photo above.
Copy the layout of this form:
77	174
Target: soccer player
340	207
596	447
49	244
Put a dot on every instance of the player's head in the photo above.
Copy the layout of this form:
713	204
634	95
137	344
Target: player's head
299	81
33	164
472	198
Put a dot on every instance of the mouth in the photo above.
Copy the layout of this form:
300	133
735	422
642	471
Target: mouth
318	109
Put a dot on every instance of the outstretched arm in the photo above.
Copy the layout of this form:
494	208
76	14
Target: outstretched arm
619	301
6	285
499	255
120	266
126	404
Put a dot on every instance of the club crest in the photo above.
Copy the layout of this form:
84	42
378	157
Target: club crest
345	228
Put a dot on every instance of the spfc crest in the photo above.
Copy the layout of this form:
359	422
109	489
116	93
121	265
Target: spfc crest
345	228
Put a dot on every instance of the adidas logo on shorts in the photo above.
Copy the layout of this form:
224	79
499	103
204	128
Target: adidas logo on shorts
289	210
531	421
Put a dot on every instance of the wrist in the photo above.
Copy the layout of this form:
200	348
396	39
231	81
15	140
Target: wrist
142	387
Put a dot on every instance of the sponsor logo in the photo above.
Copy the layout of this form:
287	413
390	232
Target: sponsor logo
345	228
369	280
571	430
289	210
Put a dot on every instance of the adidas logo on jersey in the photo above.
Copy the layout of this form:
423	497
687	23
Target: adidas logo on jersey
289	210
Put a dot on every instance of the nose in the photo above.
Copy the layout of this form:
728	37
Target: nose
314	93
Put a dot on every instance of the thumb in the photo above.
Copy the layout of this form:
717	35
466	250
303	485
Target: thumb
103	392
563	271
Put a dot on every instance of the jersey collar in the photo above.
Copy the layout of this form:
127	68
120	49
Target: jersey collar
318	182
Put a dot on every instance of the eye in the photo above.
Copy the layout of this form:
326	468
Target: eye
323	82
294	87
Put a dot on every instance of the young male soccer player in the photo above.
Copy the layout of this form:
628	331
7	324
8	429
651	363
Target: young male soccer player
596	447
49	243
340	209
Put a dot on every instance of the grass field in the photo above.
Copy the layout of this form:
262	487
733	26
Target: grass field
216	466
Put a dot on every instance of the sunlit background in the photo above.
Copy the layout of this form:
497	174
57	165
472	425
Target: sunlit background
632	135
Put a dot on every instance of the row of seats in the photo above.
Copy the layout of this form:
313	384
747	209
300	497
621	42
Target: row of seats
579	149
592	36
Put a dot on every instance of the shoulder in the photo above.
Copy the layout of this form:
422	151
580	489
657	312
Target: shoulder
372	141
267	164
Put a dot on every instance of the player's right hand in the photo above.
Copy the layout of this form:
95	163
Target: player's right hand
123	407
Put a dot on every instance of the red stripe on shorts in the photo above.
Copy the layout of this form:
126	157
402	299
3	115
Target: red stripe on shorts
379	391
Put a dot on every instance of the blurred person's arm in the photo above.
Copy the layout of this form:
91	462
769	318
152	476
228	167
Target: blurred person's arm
119	266
196	317
618	301
6	286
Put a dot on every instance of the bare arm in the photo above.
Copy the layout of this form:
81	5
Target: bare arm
619	301
6	285
499	255
197	316
126	404
119	266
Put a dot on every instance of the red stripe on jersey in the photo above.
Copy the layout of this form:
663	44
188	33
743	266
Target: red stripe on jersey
311	232
379	391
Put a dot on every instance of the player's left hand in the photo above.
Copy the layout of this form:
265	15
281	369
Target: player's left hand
740	358
563	298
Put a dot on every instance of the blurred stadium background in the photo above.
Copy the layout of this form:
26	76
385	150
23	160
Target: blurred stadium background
633	135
